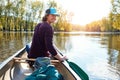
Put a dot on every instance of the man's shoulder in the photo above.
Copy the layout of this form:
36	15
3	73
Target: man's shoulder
39	24
46	25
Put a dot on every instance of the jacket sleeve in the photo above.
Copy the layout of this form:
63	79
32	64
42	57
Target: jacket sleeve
49	41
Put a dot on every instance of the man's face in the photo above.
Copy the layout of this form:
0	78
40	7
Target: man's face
51	18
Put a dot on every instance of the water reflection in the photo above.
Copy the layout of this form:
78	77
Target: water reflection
63	41
11	42
114	53
97	54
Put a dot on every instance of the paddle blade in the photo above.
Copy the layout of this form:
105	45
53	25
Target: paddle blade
78	71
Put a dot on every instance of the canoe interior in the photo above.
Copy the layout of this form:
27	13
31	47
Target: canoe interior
19	70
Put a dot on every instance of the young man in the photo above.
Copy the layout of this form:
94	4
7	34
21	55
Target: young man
42	43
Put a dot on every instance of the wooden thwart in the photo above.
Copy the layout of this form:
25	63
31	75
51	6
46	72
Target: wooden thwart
18	59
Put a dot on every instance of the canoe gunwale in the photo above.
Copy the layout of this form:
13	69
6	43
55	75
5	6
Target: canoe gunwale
70	70
7	64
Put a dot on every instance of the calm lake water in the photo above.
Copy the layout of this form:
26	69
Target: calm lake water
98	54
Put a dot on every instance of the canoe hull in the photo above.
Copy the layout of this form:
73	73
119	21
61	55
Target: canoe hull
11	70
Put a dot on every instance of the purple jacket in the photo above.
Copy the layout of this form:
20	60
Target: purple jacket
42	42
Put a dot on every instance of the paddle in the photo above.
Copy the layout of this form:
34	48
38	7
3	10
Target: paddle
76	68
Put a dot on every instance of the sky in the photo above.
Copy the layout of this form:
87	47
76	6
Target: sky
86	11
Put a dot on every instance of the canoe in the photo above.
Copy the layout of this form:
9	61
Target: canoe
16	68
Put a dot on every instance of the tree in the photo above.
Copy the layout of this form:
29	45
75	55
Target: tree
52	4
18	11
105	24
7	12
115	14
36	10
18	15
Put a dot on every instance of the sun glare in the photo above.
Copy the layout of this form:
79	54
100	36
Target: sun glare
86	11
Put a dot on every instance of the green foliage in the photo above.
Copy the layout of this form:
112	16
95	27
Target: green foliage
52	4
64	21
105	25
102	25
115	14
19	15
23	15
